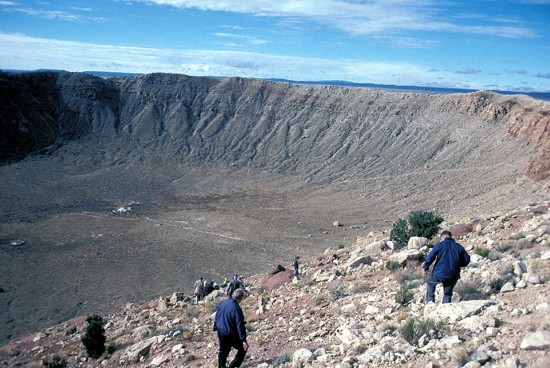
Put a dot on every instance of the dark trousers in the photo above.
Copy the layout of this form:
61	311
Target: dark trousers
226	343
448	286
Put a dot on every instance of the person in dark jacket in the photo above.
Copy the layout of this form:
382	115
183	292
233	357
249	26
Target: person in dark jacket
230	325
449	257
296	266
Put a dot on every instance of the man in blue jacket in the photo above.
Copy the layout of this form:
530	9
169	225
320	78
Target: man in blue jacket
449	257
230	325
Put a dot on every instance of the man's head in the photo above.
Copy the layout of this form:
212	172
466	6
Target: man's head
446	234
238	295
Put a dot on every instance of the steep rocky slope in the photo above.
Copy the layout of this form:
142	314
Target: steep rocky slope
353	314
106	182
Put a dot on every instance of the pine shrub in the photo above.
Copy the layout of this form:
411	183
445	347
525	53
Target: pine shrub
94	337
400	232
424	224
420	223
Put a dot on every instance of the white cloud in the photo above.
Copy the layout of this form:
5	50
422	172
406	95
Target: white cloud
19	51
35	53
360	18
250	40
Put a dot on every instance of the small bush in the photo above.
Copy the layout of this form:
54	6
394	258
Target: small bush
502	248
409	275
282	359
494	256
497	284
404	295
392	265
341	246
71	331
56	362
414	328
359	289
187	335
482	252
460	355
321	299
338	293
469	291
94	337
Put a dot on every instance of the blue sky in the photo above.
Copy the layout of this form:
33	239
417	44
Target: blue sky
479	44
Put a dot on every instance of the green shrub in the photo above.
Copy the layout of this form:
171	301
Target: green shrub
56	362
404	295
94	337
282	359
392	265
470	291
414	328
400	232
482	252
424	223
420	223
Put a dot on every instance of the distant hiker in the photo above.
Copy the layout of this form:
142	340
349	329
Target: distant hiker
449	256
296	265
224	283
230	325
235	284
208	288
199	290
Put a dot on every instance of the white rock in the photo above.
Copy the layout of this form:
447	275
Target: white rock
507	287
301	357
417	242
349	309
159	360
533	278
371	309
522	284
539	340
133	353
453	312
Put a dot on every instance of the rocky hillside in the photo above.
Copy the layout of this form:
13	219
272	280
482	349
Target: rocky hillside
278	127
366	311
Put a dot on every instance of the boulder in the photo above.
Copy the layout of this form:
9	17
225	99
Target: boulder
405	256
358	261
301	357
453	312
133	353
417	242
539	340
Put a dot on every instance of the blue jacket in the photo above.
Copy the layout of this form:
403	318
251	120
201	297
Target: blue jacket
230	320
449	256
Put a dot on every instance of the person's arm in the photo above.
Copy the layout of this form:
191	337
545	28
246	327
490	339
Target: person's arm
465	258
430	258
240	324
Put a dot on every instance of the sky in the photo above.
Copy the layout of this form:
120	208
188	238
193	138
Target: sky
475	44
